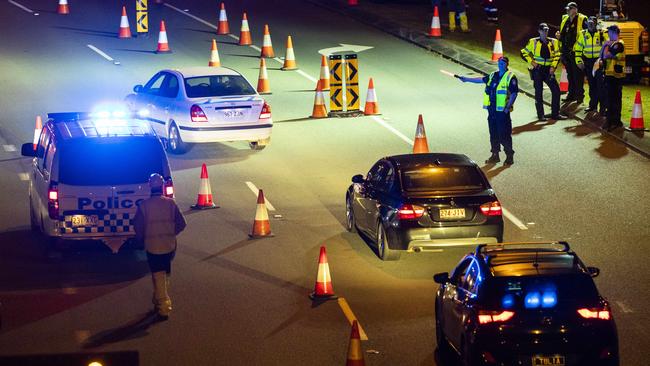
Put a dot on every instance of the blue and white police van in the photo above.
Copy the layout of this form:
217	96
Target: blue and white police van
89	172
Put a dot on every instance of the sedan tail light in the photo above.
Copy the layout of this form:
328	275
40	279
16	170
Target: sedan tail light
410	212
168	188
485	316
197	114
53	201
595	313
491	208
266	111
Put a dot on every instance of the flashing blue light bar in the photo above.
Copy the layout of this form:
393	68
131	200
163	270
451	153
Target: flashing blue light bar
532	300
508	301
549	299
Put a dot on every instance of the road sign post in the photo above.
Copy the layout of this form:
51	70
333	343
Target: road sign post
336	84
344	86
142	18
352	83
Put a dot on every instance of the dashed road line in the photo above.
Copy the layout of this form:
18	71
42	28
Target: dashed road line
23	176
103	54
624	307
393	130
513	219
9	148
347	311
192	16
22	7
252	187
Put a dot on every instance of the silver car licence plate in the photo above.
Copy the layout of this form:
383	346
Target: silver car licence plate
233	113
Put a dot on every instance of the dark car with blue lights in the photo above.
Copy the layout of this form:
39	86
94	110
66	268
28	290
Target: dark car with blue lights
524	304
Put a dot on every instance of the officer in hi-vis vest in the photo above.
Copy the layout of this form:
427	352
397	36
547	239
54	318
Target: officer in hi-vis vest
587	50
573	22
501	90
612	59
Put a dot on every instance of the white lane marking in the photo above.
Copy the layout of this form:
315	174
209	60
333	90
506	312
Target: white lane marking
102	53
255	48
393	130
513	219
192	16
9	148
624	307
312	79
269	206
23	176
22	7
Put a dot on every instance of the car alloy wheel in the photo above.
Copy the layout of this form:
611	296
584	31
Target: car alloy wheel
175	142
385	253
349	215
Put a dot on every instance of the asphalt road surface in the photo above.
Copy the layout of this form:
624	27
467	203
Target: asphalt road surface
244	302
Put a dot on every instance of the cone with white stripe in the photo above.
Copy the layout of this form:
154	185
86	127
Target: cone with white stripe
267	46
223	21
204	199
125	29
63	8
290	58
420	145
323	289
355	354
324	73
435	30
245	38
372	107
261	225
564	81
263	86
636	121
497	50
214	55
163	44
37	131
319	111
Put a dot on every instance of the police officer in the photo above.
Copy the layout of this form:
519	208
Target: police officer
457	8
587	51
491	10
612	57
501	90
543	55
157	222
572	25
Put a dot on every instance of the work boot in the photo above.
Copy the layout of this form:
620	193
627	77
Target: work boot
162	301
493	159
590	109
559	117
509	160
541	118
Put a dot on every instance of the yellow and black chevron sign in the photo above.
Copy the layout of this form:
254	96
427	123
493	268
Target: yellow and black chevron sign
352	82
141	16
336	83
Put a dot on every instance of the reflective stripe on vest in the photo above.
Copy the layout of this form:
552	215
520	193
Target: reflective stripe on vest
611	63
536	51
588	45
502	93
581	20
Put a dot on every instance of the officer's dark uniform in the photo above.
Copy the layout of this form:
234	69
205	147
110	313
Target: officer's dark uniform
499	121
587	51
569	31
613	58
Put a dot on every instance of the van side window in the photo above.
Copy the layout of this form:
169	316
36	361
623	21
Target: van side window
49	156
42	146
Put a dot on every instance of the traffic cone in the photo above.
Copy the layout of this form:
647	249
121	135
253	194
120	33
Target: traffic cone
323	289
420	145
204	199
163	45
245	33
319	103
263	86
37	131
355	354
125	30
63	7
223	21
324	73
564	81
636	121
371	100
267	46
435	30
261	225
497	50
289	58
214	55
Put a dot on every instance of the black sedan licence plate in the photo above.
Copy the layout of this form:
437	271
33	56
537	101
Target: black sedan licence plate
556	360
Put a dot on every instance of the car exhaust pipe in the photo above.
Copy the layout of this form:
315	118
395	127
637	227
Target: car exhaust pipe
417	249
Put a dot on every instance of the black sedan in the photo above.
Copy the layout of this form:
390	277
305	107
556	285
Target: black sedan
524	304
420	202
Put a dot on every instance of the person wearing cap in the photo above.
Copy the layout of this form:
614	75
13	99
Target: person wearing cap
612	59
587	51
501	90
457	8
491	11
543	55
572	25
157	223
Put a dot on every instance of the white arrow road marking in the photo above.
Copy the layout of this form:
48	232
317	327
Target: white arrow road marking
513	219
22	7
269	206
344	47
9	148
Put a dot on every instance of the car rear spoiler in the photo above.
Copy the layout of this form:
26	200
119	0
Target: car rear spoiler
543	245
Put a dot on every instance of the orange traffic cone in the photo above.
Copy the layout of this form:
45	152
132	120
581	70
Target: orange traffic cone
564	81
245	33
371	100
267	46
435	30
289	58
497	50
204	199
323	289
37	131
63	7
263	86
420	145
223	21
214	55
125	30
319	103
163	45
324	73
261	225
636	121
355	354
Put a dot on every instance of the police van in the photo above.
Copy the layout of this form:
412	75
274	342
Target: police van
89	172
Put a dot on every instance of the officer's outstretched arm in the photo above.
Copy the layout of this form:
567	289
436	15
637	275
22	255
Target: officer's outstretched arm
475	80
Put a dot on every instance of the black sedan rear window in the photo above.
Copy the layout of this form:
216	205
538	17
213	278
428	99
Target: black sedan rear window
436	178
217	86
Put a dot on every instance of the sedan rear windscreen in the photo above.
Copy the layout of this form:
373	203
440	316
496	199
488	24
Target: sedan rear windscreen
91	162
436	178
217	86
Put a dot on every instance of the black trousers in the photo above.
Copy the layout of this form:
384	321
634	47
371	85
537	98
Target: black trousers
541	75
500	126
614	88
160	262
575	75
596	88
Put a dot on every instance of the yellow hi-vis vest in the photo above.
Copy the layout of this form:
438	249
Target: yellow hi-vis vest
581	20
502	93
532	52
588	45
616	66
